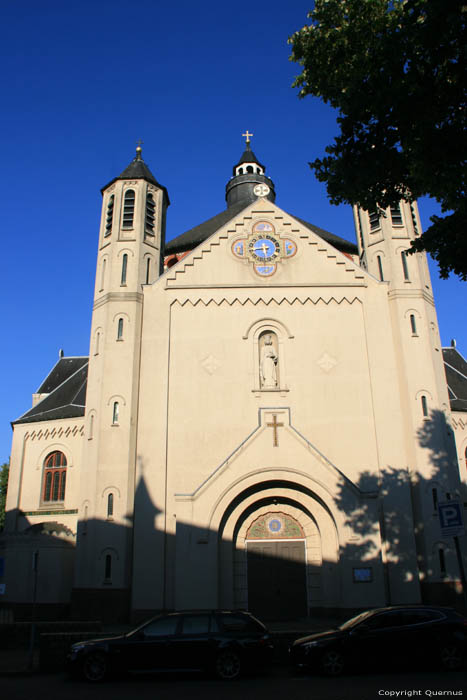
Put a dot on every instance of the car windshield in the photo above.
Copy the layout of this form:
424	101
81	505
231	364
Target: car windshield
354	620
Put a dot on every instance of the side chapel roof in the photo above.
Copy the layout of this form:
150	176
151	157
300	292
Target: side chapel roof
65	389
455	367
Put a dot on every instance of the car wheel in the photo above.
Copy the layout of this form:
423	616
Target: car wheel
95	667
228	665
451	657
332	663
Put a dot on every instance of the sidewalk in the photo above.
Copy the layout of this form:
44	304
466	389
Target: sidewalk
19	661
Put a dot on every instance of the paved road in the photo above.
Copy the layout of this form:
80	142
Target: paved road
280	683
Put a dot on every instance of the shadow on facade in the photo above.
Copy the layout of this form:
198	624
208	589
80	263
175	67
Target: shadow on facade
409	521
149	562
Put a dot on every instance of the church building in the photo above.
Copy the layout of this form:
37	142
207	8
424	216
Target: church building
266	420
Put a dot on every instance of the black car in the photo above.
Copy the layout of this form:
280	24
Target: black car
386	637
222	641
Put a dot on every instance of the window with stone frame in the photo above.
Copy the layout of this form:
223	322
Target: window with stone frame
128	209
54	479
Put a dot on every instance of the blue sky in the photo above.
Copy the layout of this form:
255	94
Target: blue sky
82	81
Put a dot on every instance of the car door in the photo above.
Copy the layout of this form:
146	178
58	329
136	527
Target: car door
149	647
192	648
379	641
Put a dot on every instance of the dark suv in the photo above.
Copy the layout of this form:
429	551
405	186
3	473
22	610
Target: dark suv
401	635
222	641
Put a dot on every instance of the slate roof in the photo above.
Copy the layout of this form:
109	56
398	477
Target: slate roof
138	170
65	367
248	157
192	238
66	389
455	367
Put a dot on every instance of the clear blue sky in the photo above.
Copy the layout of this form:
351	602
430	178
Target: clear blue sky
82	81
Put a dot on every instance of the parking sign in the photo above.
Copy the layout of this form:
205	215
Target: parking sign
450	519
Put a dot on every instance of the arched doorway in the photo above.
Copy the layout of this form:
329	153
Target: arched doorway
276	567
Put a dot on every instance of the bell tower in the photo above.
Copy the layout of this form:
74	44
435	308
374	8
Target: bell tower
384	237
130	249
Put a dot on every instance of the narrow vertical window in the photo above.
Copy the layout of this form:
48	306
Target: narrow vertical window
103	274
110	505
374	220
405	267
465	455
97	343
108	567
442	562
120	329
380	268
115	413
128	209
359	225
85	521
434	496
124	269
414	219
413	324
148	270
396	215
91	426
149	218
109	216
424	403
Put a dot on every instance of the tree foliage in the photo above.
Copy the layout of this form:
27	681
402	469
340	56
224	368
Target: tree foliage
396	72
4	470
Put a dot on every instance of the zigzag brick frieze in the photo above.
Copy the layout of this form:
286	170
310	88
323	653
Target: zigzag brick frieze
62	431
266	301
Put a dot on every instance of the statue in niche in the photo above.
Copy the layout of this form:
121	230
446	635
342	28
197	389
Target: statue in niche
268	369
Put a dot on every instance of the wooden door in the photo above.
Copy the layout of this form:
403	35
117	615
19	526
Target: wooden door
277	579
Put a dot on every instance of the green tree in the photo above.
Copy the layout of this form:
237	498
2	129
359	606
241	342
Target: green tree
396	72
4	470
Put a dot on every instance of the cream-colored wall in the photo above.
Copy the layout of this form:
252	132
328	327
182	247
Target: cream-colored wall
109	460
459	424
32	443
199	402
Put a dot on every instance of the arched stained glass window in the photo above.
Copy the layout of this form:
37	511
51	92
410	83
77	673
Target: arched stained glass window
54	481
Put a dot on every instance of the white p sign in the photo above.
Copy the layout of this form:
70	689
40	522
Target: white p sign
450	519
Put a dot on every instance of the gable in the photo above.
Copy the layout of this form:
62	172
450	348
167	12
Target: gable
231	256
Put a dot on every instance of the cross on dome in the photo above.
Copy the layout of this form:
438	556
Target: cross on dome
247	136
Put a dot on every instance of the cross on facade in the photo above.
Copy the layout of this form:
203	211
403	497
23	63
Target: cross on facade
275	425
247	136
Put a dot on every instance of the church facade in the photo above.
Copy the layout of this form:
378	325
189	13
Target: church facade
265	420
